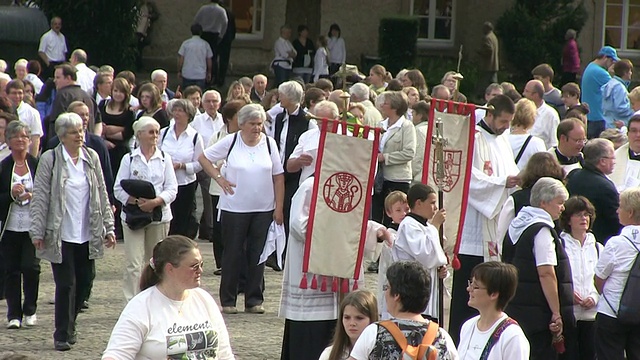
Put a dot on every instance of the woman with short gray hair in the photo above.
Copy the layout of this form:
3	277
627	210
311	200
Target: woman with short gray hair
22	267
185	145
70	219
543	304
252	183
147	163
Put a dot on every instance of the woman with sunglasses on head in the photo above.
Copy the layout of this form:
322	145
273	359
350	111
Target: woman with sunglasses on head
172	317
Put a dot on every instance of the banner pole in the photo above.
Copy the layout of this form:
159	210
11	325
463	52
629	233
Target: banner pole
440	142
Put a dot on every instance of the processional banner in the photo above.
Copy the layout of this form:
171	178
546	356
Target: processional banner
448	161
340	205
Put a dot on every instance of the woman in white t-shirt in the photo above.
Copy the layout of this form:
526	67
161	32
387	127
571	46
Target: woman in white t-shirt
172	317
252	183
613	337
492	334
357	310
522	143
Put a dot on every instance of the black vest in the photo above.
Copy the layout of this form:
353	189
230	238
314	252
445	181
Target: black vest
298	124
521	199
529	306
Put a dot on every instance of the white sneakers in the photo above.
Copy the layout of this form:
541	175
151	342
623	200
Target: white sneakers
30	320
13	324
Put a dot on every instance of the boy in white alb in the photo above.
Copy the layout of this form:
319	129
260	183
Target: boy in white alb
396	207
418	239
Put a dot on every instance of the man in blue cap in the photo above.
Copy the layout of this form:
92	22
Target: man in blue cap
594	76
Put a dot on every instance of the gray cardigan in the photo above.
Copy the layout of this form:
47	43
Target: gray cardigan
47	204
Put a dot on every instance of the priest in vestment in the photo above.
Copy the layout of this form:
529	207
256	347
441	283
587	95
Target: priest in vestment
494	175
626	173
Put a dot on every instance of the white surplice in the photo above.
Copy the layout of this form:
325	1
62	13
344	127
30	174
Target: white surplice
626	173
493	162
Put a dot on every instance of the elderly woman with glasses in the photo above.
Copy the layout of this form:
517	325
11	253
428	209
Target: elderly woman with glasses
252	183
21	265
148	163
183	143
71	218
543	304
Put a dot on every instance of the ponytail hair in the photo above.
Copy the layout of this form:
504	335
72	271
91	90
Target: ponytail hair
168	251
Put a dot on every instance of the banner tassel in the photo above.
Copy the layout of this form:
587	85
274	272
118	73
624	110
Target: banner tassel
334	285
345	286
323	286
314	283
303	282
456	262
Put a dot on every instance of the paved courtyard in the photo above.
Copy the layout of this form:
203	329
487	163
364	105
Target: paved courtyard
252	336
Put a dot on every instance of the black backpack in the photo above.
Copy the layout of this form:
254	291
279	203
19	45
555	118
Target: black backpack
629	307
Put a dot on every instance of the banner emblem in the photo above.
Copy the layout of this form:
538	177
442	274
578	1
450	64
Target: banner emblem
452	161
342	192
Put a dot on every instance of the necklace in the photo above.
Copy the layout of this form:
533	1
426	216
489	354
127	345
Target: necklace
173	301
19	165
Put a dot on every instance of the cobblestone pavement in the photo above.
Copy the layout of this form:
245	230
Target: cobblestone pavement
252	336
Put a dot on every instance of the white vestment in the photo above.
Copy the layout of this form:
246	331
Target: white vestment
492	163
420	242
626	173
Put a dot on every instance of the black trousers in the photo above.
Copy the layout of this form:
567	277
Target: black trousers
224	50
183	209
244	237
377	205
306	339
614	338
22	274
72	278
460	311
540	345
582	345
594	128
216	232
213	39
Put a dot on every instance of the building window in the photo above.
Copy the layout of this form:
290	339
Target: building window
622	24
436	19
249	18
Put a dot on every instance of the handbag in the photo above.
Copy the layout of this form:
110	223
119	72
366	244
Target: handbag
136	218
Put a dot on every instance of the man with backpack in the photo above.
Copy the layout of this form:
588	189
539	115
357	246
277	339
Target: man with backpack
618	282
408	335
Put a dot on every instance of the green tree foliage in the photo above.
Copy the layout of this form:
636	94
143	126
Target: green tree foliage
105	29
397	42
532	32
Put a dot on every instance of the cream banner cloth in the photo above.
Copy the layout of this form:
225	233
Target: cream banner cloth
340	206
454	125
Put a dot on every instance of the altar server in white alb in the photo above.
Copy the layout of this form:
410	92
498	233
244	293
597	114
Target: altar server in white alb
418	239
626	173
494	175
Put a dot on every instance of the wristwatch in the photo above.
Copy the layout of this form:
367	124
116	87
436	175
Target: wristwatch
218	176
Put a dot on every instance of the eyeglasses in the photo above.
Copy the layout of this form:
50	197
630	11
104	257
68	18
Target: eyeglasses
578	141
473	286
198	266
21	137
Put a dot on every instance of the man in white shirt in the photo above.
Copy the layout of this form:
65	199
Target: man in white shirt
84	74
572	136
207	124
53	47
493	177
493	90
214	21
26	113
547	119
194	60
360	94
626	173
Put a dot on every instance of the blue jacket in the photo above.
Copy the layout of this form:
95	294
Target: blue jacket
615	101
593	78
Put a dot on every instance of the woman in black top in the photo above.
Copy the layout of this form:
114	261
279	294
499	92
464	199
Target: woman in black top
303	63
118	121
151	104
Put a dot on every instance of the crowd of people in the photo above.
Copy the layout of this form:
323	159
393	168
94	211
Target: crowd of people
90	156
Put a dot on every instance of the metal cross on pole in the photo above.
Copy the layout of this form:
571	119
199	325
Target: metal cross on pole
440	142
343	74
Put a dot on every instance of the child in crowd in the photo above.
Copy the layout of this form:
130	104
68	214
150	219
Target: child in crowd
396	207
357	310
321	60
571	95
418	239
